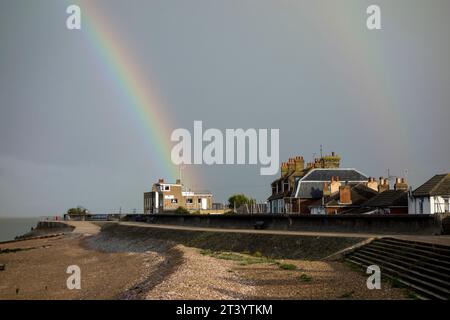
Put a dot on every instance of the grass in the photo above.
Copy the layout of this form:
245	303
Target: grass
7	250
304	278
412	295
348	295
243	259
287	266
395	283
353	266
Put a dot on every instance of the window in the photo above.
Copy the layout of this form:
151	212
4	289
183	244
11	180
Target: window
446	205
166	188
421	206
174	201
189	201
199	200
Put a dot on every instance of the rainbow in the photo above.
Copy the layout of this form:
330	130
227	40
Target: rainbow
136	88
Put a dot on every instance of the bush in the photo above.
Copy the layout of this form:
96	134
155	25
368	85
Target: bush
287	266
304	278
181	210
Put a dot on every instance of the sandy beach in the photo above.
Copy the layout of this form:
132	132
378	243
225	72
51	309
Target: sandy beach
118	266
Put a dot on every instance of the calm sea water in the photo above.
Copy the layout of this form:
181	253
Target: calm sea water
11	227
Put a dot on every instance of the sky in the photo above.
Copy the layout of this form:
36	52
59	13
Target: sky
72	134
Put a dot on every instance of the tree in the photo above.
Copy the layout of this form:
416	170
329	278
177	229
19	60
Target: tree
181	210
237	200
77	211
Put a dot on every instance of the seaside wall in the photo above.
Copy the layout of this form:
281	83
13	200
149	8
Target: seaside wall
125	238
376	224
44	225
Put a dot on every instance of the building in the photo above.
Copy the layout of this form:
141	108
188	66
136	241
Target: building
431	197
167	197
281	199
387	202
348	197
320	182
370	197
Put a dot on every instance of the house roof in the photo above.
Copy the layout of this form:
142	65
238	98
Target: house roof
388	198
437	185
309	190
287	175
310	186
344	174
359	193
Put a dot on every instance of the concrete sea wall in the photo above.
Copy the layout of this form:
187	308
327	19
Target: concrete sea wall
375	224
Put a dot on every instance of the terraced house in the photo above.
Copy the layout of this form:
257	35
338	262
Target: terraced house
300	186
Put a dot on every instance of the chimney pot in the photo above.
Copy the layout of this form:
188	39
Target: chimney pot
345	194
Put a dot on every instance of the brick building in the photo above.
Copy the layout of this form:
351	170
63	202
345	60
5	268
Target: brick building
166	197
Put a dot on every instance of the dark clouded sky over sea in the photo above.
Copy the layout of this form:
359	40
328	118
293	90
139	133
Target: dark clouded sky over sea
86	115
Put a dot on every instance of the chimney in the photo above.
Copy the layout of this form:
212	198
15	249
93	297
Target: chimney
345	195
384	185
178	181
372	184
284	168
326	189
161	180
330	161
400	184
299	163
291	165
334	185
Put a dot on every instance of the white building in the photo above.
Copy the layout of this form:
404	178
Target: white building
431	197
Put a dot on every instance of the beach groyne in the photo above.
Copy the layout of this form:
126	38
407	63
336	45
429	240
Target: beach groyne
45	229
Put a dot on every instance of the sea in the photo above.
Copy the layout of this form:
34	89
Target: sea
12	227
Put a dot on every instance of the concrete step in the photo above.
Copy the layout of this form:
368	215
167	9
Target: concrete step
412	277
401	266
417	263
411	249
441	249
423	294
430	258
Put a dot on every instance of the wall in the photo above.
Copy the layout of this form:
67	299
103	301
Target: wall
414	205
378	224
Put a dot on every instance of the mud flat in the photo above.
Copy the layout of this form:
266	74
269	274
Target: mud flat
132	262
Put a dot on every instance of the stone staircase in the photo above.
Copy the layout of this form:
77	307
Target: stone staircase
422	267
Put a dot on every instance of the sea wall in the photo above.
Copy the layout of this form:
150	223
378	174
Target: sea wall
375	224
116	237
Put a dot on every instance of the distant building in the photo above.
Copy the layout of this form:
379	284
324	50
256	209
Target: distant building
431	197
166	197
